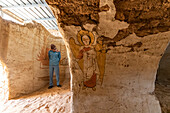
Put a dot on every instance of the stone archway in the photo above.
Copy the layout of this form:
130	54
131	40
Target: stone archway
24	52
130	37
162	83
24	70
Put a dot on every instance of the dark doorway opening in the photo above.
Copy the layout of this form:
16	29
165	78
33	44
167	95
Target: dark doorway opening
162	84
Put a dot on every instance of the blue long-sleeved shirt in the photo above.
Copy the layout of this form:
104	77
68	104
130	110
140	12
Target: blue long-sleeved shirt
54	57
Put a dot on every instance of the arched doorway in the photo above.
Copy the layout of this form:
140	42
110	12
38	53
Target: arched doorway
162	84
24	70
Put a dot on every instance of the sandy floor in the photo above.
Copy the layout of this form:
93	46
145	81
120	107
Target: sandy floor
163	94
55	100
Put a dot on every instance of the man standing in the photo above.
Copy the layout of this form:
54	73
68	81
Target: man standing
54	58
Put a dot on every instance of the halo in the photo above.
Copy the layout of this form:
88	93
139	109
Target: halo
82	33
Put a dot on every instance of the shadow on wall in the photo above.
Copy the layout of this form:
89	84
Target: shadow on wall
162	88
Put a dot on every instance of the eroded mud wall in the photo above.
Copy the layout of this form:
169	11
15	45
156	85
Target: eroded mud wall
114	47
4	28
4	36
23	49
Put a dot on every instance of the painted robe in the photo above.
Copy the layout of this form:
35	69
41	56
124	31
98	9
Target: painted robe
90	68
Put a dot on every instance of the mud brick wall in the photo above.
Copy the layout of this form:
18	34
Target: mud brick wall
23	50
114	47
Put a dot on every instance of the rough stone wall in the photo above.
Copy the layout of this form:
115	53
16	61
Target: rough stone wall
24	50
4	28
115	71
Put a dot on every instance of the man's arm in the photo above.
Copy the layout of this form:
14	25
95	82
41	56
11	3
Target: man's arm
59	56
49	54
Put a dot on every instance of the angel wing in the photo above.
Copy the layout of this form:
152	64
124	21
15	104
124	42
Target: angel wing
43	56
75	48
101	59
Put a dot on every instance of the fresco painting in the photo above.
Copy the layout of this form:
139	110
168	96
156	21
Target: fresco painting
91	58
43	58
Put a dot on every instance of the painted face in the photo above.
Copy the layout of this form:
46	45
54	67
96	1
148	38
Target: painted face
86	40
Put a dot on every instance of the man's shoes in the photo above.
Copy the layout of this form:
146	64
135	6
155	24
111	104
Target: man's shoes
58	85
50	87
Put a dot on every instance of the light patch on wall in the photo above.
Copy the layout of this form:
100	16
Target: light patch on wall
55	33
7	17
4	90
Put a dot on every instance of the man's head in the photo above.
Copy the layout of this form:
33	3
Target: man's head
53	47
